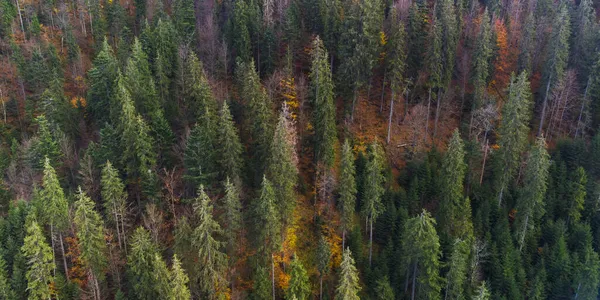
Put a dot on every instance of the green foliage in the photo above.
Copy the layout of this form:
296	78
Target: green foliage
299	284
374	182
482	292
482	55
458	264
140	265
268	223
261	289
90	235
45	146
40	263
324	106
55	206
179	282
383	290
101	78
231	161
233	214
347	186
348	286
577	194
161	277
200	157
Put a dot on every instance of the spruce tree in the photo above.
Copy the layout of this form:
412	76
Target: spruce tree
577	194
586	277
481	69
513	131
349	285
140	266
585	37
383	289
482	292
282	170
179	282
195	89
396	64
231	161
46	145
268	222
434	64
213	262
6	291
299	284
323	261
421	253
90	236
347	189
373	189
530	206
324	106
39	263
232	216
161	277
458	264
114	198
200	157
101	79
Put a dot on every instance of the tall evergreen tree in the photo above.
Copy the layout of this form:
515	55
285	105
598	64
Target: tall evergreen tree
347	189
577	194
421	254
299	285
585	37
482	55
180	280
231	148
433	64
39	263
482	292
373	189
349	285
140	265
323	261
200	157
531	201
46	145
513	131
6	291
233	215
90	237
114	199
268	223
586	278
161	277
102	77
324	106
456	278
396	60
213	261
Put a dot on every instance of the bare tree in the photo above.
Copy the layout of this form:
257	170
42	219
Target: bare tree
415	121
564	102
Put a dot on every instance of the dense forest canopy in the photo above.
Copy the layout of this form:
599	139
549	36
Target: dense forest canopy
299	149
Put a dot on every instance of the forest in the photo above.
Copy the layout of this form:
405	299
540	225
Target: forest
299	149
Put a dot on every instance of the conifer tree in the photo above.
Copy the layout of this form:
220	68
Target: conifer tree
140	82
482	292
259	116
324	106
347	189
213	262
282	169
447	16
383	290
39	263
557	56
195	89
90	236
513	131
433	63
46	145
349	285
55	211
233	215
481	69
585	37
531	203
140	260
417	35
231	148
454	210
6	291
184	19
268	223
299	285
457	270
261	289
323	261
577	194
161	277
421	254
179	282
586	278
114	197
102	78
200	157
396	54
241	32
373	189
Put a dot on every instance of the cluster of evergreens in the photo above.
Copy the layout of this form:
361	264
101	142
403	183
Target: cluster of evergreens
299	149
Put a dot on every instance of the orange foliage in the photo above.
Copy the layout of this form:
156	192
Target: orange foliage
78	270
505	61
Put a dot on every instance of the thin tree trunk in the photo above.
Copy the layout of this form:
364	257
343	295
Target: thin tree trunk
354	100
64	257
437	113
343	239
522	240
500	196
414	282
371	242
405	105
583	102
390	117
273	274
321	288
485	152
406	279
3	105
382	93
543	115
20	17
427	119
52	242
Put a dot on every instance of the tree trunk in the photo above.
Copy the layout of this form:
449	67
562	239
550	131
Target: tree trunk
524	231
273	274
64	257
343	239
485	152
382	93
414	282
427	119
543	115
437	113
20	17
390	118
371	242
583	102
52	242
354	99
321	288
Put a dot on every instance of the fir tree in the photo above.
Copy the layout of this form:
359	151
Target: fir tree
513	131
140	270
577	193
323	261
200	157
347	189
481	69
233	215
46	145
90	236
6	291
231	148
268	223
531	202
39	263
421	254
457	270
383	289
396	60
299	285
179	282
349	286
373	189
213	262
161	277
114	197
482	292
324	106
102	78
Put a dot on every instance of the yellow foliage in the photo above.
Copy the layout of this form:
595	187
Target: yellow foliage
382	38
288	93
78	102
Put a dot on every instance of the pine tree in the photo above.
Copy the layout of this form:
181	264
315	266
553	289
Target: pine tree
282	169
261	288
421	254
557	57
39	263
585	37
447	16
417	35
454	210
102	78
240	31
577	194
531	201
90	236
114	197
140	82
481	69
373	189
213	261
55	210
231	161
347	189
349	286
184	19
140	270
457	269
299	284
200	157
179	282
258	116
324	106
513	131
